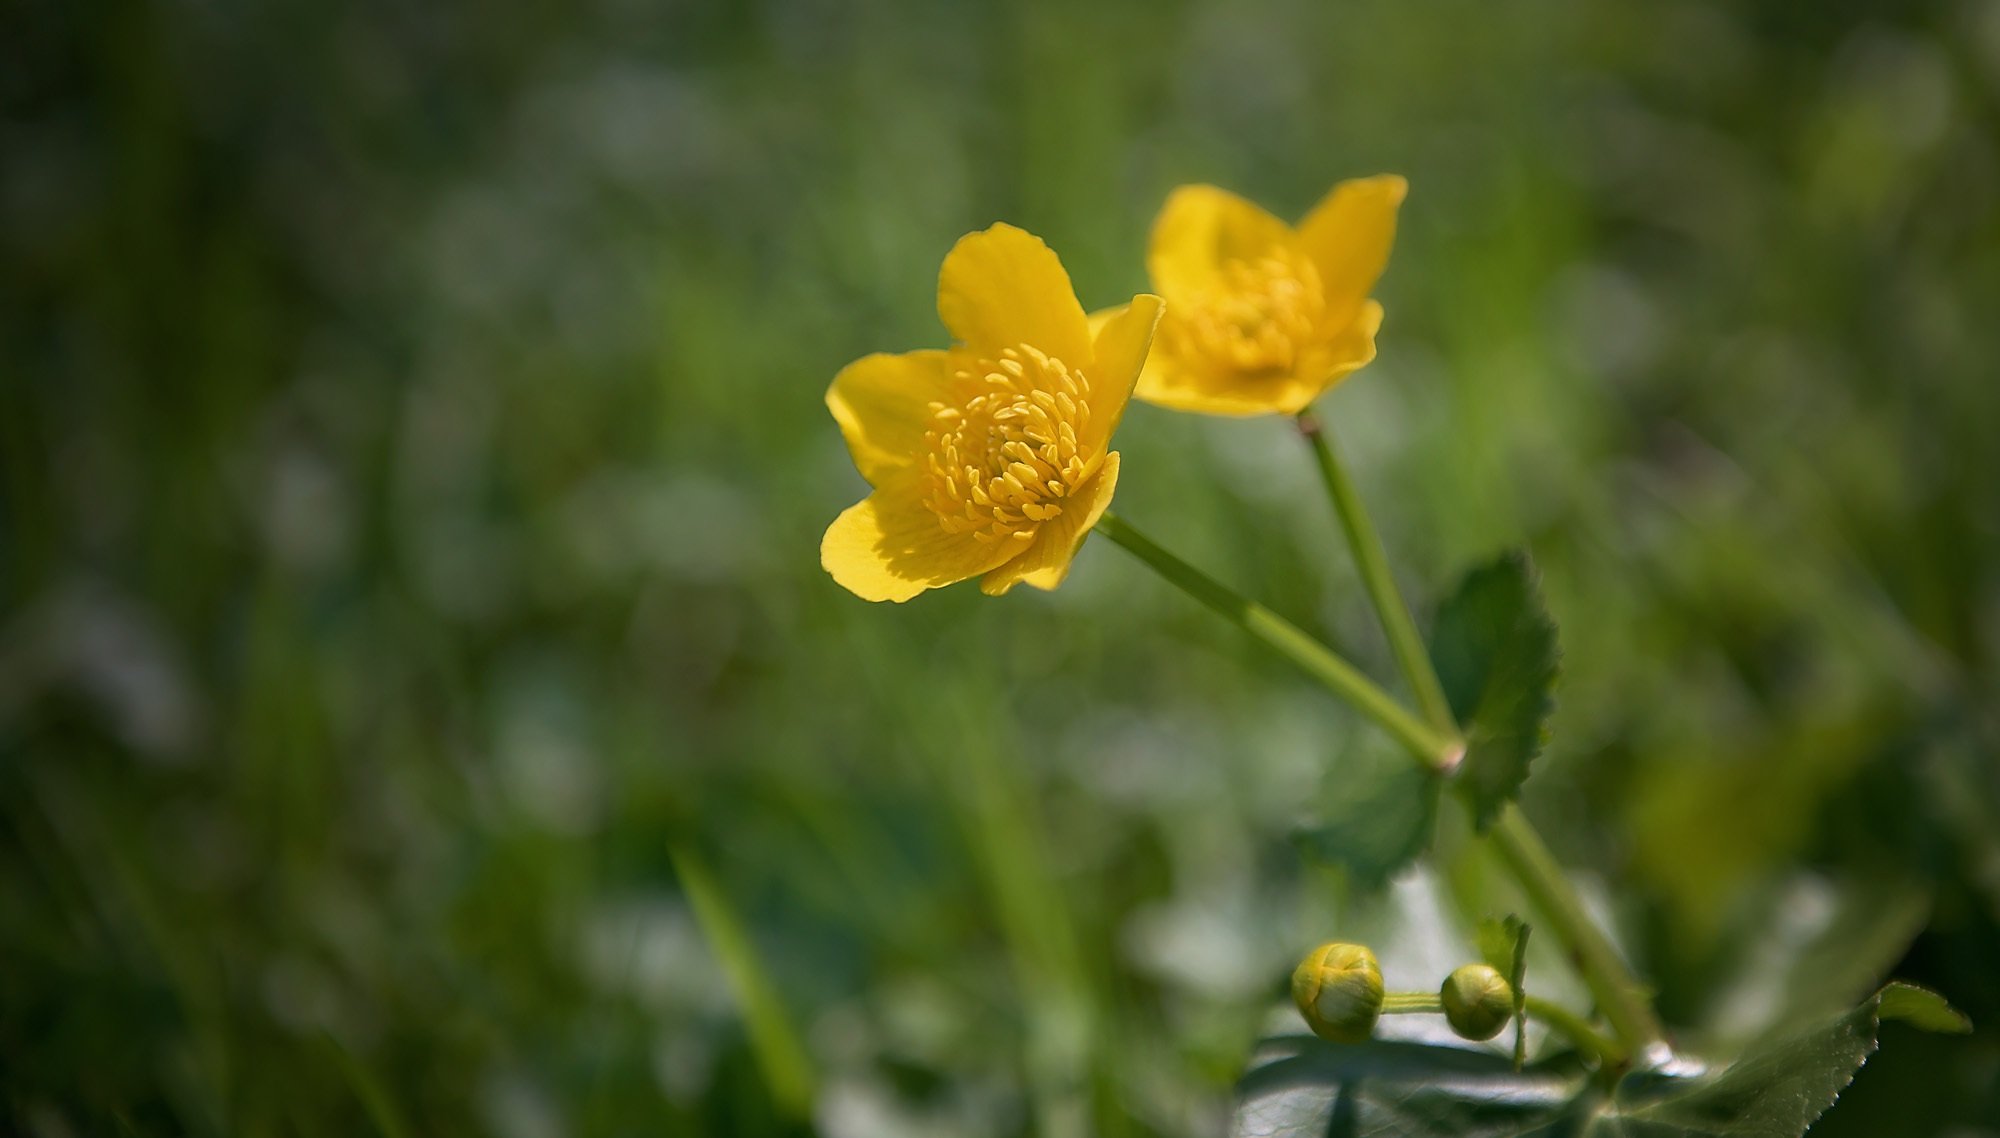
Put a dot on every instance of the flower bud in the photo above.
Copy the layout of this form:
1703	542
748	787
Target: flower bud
1338	988
1478	1001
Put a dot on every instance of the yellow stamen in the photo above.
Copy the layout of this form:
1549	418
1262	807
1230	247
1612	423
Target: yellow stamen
1004	452
1256	319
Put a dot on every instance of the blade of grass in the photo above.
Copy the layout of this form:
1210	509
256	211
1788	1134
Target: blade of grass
780	1054
1009	844
367	1088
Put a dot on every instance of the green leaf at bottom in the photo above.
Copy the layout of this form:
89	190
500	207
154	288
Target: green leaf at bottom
1778	1088
1303	1087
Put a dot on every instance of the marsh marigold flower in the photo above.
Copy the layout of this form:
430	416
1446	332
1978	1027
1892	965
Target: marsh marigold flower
1263	317
990	458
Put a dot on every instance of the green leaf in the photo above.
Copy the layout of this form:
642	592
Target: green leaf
1503	945
1495	650
1779	1088
1496	938
1921	1008
1303	1087
1380	810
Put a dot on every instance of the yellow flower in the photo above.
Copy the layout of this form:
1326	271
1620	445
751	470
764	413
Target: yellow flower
990	458
1260	316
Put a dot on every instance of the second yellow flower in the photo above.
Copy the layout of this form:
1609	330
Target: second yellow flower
1262	317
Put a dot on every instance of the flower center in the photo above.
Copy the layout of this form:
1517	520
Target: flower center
1004	454
1257	318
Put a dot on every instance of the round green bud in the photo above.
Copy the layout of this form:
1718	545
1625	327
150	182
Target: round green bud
1478	1001
1338	988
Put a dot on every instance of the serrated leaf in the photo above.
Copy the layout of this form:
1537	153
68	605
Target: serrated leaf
1495	650
1778	1088
1380	810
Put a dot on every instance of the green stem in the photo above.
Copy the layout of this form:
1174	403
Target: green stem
1607	1053
1620	997
1573	1027
1411	1003
1411	655
1435	749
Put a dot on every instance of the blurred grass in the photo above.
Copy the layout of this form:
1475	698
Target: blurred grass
782	1058
413	462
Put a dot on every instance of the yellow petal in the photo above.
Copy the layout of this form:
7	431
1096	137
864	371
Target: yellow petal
1198	230
1348	235
1119	348
882	403
1103	316
1170	384
1002	286
890	547
1178	388
1348	353
1047	559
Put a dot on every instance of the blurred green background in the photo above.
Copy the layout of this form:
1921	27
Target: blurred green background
415	655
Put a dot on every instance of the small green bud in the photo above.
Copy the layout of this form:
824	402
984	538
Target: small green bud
1478	1001
1338	988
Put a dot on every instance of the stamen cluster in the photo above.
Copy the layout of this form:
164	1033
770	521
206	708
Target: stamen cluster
1004	455
1256	318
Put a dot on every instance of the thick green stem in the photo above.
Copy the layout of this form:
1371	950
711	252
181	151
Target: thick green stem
1619	995
1438	750
1411	655
1607	1053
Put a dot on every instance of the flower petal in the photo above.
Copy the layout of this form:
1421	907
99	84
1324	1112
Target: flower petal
1198	230
890	547
1002	286
1348	235
1120	344
1166	383
882	403
1348	352
1047	559
1103	316
1177	388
